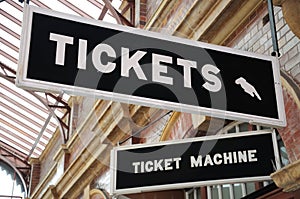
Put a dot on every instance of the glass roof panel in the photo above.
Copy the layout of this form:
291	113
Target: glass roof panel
22	114
16	12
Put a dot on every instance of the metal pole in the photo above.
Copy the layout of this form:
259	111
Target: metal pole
273	29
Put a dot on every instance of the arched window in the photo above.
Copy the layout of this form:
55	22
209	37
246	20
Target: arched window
12	186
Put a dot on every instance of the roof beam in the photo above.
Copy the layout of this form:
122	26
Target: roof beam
43	129
40	4
10	17
104	11
42	109
14	4
112	11
24	108
23	125
17	136
8	56
12	142
10	45
9	31
75	9
25	118
98	4
229	20
14	152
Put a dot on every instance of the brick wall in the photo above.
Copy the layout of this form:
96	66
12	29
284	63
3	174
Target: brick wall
182	127
291	134
256	37
143	13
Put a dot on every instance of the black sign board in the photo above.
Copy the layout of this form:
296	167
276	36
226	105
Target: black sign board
71	54
194	162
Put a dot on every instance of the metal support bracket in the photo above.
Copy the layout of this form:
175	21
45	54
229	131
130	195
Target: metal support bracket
65	120
275	52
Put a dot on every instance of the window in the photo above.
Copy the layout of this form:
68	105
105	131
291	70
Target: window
193	193
11	184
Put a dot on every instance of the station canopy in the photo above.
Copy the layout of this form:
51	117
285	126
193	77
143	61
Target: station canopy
28	119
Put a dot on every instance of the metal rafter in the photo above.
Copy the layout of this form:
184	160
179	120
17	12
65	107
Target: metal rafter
14	4
8	56
5	42
21	124
103	13
112	11
75	9
9	31
10	17
8	73
40	4
17	136
33	123
100	6
43	128
67	108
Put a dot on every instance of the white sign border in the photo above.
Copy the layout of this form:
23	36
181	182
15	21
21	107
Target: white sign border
113	161
24	82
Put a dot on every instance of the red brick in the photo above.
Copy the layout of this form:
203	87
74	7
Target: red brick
143	9
181	126
143	18
291	133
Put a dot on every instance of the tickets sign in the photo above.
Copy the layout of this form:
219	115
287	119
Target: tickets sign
64	53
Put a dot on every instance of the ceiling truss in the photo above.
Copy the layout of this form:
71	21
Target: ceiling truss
28	119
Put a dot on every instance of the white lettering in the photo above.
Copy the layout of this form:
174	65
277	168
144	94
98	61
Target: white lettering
251	156
157	165
61	41
82	49
187	65
149	166
219	160
159	63
157	68
234	157
98	50
242	155
168	164
196	163
216	84
132	62
136	164
208	160
176	160
227	157
142	167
